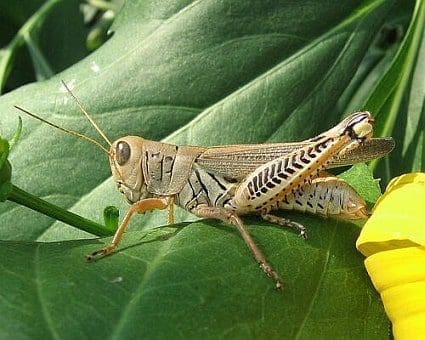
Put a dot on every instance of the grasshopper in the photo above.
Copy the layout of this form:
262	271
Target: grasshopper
227	182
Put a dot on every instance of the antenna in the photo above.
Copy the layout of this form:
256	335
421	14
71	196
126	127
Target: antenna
86	114
71	132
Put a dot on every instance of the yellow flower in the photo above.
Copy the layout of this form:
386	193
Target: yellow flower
393	239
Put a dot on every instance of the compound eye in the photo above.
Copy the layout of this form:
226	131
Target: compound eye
122	152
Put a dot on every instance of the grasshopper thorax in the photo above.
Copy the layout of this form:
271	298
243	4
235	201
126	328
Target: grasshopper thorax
125	158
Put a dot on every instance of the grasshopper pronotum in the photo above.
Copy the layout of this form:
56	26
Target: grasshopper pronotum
225	182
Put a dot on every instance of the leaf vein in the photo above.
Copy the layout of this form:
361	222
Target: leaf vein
319	282
44	311
163	250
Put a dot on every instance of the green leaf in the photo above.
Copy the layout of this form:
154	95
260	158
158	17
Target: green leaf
31	51
398	99
5	175
253	80
111	216
393	84
361	179
193	281
5	167
16	135
4	151
205	73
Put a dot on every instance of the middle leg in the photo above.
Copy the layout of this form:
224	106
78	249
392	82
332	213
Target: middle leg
284	222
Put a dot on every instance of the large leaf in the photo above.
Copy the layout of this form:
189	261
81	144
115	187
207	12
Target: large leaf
261	79
202	72
196	280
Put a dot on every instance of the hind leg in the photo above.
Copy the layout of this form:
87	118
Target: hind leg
231	218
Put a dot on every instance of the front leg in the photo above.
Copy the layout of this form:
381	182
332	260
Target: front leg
138	207
231	218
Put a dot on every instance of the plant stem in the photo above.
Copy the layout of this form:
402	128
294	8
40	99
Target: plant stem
22	197
24	36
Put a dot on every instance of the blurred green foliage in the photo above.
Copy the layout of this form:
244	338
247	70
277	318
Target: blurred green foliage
196	72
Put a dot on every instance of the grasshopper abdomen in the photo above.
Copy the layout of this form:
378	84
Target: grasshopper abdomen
326	196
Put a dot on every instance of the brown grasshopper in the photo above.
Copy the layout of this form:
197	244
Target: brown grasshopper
226	182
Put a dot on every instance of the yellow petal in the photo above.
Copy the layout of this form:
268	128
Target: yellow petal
394	241
398	219
399	276
405	308
397	267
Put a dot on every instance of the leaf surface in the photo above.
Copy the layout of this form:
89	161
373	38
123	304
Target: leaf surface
202	73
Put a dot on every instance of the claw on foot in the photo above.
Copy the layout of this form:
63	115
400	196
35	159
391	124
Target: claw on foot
272	274
303	233
279	285
99	254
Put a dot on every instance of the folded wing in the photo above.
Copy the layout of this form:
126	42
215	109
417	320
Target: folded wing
236	161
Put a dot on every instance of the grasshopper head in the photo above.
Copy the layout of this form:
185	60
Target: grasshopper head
124	154
125	158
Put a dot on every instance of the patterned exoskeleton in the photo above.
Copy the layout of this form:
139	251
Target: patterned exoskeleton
226	182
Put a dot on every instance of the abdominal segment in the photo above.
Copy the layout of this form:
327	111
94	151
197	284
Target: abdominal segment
327	196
